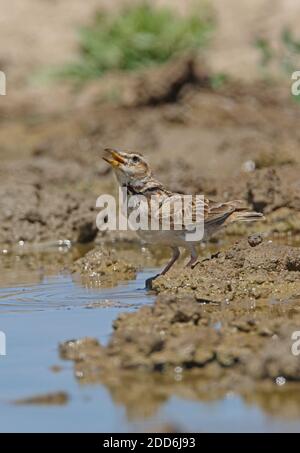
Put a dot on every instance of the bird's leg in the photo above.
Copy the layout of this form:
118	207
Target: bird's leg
193	258
175	256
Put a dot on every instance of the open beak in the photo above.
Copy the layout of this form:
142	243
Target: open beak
113	157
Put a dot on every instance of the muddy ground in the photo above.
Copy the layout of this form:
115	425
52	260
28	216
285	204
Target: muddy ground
103	267
238	141
224	326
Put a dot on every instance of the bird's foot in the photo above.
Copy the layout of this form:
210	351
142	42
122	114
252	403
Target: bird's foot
195	264
148	282
191	264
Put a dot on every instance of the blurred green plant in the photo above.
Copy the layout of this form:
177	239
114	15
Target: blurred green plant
292	51
218	80
287	56
140	36
265	50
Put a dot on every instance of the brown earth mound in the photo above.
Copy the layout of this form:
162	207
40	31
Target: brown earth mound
216	328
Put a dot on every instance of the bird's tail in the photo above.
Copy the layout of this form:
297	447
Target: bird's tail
246	216
242	214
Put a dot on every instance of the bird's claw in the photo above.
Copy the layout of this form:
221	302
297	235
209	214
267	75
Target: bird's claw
148	282
195	264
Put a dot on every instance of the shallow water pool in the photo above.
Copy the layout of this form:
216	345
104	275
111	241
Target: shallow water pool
36	317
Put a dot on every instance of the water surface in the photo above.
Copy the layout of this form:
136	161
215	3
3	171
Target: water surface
39	312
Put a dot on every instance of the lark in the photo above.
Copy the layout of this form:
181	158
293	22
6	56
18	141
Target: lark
134	175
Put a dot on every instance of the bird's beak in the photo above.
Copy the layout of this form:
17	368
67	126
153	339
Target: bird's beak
113	157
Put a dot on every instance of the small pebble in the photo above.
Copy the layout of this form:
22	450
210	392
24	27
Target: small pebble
280	380
249	166
255	239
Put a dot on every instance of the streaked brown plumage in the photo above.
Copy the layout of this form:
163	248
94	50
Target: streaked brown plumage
134	174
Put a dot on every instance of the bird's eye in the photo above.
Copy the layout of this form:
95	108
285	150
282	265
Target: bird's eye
135	159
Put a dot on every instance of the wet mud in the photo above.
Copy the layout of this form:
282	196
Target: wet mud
235	141
244	272
225	326
48	399
102	267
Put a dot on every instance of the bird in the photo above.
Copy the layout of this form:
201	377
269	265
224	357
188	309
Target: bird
134	175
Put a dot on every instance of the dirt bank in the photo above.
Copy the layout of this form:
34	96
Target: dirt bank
214	329
102	267
238	141
244	272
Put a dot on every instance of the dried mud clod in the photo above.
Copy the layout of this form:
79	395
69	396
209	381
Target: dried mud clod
255	239
102	267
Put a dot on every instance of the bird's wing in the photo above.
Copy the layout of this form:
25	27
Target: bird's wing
217	213
184	212
181	211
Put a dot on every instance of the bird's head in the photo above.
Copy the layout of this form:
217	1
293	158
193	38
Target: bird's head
130	168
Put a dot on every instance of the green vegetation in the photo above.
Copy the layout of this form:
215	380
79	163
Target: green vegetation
287	56
218	80
292	51
265	50
140	36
